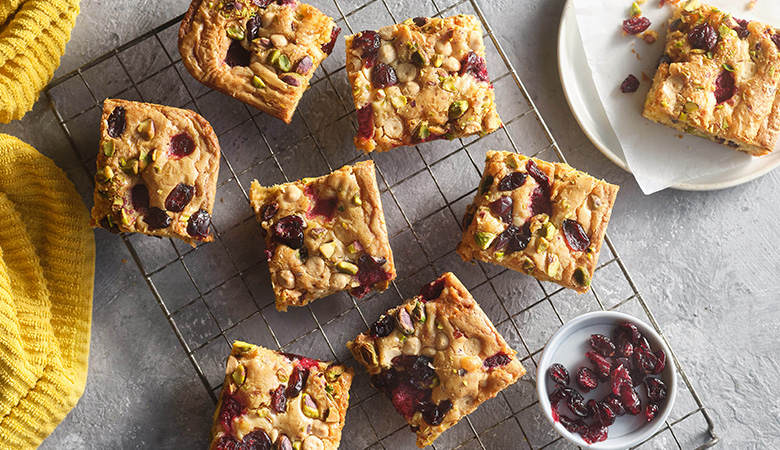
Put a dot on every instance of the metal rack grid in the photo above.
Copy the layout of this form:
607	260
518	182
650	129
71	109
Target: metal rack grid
220	291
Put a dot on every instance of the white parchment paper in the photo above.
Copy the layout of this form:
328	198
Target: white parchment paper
658	156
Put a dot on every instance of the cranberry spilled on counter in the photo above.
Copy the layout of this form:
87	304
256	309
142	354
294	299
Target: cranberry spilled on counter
626	362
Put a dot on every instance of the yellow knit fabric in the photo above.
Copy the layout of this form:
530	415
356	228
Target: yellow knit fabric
47	268
33	34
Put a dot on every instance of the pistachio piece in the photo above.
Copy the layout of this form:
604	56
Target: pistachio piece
284	443
347	267
239	375
419	58
108	148
691	107
368	353
511	161
542	246
281	375
581	276
356	200
279	60
355	247
293	79
309	407
635	11
235	32
419	312
458	108
327	249
448	84
332	415
438	60
297	445
528	265
547	231
484	239
104	175
403	321
553	267
243	346
398	101
258	82
125	219
421	132
333	373
130	167
691	5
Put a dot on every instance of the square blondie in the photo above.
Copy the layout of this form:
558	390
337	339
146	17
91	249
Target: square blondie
547	220
325	235
157	171
280	400
719	78
260	52
437	357
420	80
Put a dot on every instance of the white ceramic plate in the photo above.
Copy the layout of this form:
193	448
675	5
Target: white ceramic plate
568	346
580	92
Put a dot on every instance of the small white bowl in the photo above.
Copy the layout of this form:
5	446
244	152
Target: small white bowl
568	346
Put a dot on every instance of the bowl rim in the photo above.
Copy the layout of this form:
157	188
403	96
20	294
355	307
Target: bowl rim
642	433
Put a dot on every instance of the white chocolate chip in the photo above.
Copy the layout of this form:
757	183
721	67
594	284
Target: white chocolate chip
320	429
393	127
472	346
443	47
232	363
406	72
315	266
268	19
442	341
387	54
286	279
387	33
274	434
386	356
459	49
428	351
313	443
451	64
412	346
475	41
410	89
279	40
292	193
339	281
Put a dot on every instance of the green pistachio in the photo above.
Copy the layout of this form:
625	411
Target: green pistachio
553	267
355	247
309	407
484	239
297	445
327	249
368	353
421	132
130	167
547	231
418	312
279	60
682	117
403	321
146	129
356	200
125	218
258	82
333	373
691	5
108	148
104	175
458	108
239	375
728	67
635	11
235	32
528	265
419	58
448	84
242	346
438	60
691	107
398	101
581	276
346	267
498	255
511	161
542	246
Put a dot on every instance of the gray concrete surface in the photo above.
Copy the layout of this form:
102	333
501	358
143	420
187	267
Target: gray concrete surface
705	262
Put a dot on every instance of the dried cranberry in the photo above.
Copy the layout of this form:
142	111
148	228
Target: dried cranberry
626	362
289	231
615	404
198	225
297	382
382	327
157	219
434	414
432	291
540	201
631	330
620	378
776	39
420	21
140	197
594	433
575	236
179	197
513	238
636	25
558	374
629	85
602	344
303	362
475	65
227	443
407	399
253	26
571	425
181	145
368	42
370	271
675	25
625	349
256	440
587	379
576	403
109	226
419	368
603	415
116	122
703	37
556	396
269	211
660	364
644	360
741	28
512	181
383	76
323	207
503	208
278	400
630	401
497	360
663	59
724	86
237	55
365	116
656	389
231	408
262	3
600	363
537	173
334	34
651	410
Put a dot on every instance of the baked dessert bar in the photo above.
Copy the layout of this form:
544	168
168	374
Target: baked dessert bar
421	80
280	401
261	52
325	235
156	171
437	357
543	219
719	78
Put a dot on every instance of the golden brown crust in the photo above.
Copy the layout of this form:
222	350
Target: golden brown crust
347	225
468	361
295	31
548	256
685	93
313	417
141	155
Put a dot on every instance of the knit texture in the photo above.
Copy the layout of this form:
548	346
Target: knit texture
33	34
47	268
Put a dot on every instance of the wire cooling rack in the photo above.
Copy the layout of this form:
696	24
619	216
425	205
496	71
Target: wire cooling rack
221	291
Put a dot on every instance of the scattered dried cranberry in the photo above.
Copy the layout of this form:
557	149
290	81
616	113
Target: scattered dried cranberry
382	327
181	145
660	364
724	86
575	236
636	25
631	330
625	349
323	207
157	219
571	425
297	382
475	65
629	85
620	379
434	414
630	401
303	362
278	400
289	231
256	440
601	364
650	411
420	21
594	433
370	271
512	181
576	403
776	39
603	415
237	55
663	59
556	397
587	379
407	399
269	211
198	225
140	197
537	173
513	238
365	116
334	34
497	360
741	28
602	344
383	76
644	360
253	26
116	122
703	37
179	197
231	408
615	404
368	42
503	208
656	389
433	290
540	201
558	374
